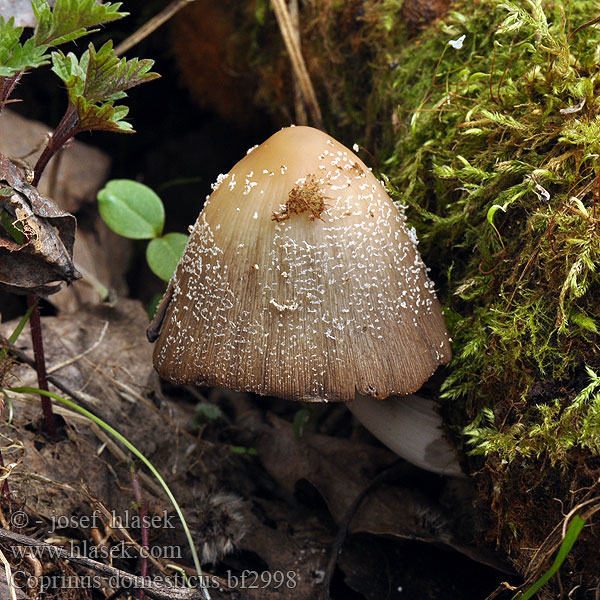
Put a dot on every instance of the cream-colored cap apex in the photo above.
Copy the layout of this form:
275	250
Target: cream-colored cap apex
301	280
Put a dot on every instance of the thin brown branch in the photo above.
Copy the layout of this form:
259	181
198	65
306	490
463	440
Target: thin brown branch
293	47
299	107
152	25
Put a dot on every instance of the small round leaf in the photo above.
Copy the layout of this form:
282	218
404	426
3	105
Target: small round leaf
131	209
163	254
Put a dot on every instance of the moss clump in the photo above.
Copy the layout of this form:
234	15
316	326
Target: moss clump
496	159
487	127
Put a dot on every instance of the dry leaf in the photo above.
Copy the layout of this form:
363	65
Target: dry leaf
38	265
341	469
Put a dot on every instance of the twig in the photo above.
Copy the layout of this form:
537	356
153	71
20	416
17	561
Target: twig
553	540
293	47
23	357
126	579
107	296
501	588
75	358
5	488
122	457
299	108
116	529
152	25
340	538
588	24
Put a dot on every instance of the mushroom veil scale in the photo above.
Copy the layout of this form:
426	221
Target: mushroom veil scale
301	280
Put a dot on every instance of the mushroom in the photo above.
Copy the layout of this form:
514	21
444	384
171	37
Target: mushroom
301	280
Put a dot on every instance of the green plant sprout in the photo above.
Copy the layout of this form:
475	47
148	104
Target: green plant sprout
135	211
575	527
95	83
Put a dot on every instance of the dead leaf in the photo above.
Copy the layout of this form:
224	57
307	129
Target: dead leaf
40	264
341	469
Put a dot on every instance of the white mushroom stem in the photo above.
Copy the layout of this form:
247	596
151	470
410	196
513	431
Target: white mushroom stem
412	428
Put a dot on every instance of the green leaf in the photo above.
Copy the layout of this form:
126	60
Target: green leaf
243	450
152	305
571	536
14	228
584	321
131	209
206	412
301	418
164	253
70	19
105	117
9	37
14	56
492	211
96	81
17	331
261	11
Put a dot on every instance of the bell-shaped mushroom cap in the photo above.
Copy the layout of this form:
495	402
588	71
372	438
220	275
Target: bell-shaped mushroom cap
301	280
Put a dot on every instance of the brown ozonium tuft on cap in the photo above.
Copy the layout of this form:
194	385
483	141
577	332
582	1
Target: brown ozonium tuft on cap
301	280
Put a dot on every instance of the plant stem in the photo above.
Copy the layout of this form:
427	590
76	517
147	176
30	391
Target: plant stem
7	85
66	129
40	364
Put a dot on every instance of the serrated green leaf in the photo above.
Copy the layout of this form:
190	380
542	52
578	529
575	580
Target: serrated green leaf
131	209
71	19
67	67
96	81
9	37
14	56
105	117
163	254
109	75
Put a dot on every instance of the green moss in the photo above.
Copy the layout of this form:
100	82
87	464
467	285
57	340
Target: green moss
495	154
